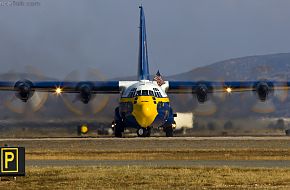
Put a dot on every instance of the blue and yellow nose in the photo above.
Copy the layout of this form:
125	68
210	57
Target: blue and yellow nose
145	111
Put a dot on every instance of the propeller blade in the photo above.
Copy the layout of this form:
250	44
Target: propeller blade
37	100
205	109
15	105
264	107
97	102
281	93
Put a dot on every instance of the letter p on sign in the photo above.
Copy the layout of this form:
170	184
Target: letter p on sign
9	157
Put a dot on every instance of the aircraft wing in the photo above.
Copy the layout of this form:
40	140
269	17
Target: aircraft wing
96	87
201	89
229	86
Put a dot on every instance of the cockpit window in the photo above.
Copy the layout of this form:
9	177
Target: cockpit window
132	93
158	95
145	93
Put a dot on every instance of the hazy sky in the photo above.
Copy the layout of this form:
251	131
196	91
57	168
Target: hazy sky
59	36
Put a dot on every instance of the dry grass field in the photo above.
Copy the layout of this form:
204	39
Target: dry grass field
260	148
152	177
174	154
135	177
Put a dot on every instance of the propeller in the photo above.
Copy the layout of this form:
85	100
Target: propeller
34	101
85	103
267	92
206	95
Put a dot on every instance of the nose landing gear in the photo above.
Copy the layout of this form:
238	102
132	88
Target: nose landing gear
168	131
144	132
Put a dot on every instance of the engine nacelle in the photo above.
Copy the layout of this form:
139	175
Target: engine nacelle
263	89
85	92
23	90
201	93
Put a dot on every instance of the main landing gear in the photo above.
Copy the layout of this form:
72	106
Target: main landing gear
144	132
168	131
118	129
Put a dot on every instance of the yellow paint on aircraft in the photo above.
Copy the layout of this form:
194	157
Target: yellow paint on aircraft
144	108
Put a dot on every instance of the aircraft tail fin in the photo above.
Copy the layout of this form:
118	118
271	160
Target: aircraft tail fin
143	67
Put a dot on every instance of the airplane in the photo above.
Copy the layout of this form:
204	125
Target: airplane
144	104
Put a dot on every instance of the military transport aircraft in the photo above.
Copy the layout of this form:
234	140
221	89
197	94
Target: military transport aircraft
144	103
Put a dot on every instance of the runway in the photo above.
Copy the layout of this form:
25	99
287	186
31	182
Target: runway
152	143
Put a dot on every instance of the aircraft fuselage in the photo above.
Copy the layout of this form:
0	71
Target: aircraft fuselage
144	104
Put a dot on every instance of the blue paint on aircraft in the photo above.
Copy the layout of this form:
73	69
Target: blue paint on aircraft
143	67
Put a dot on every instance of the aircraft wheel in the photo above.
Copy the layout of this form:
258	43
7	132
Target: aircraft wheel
118	130
148	132
141	132
169	131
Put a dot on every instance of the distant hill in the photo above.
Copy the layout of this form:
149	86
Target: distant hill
273	66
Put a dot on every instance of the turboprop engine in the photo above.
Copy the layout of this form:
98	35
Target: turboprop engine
23	90
263	90
85	94
201	92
